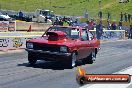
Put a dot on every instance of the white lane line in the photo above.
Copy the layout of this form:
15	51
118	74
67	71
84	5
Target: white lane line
125	85
127	70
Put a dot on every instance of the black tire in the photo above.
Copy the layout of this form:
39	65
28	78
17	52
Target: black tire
90	59
72	62
31	59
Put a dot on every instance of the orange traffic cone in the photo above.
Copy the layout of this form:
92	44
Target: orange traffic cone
30	29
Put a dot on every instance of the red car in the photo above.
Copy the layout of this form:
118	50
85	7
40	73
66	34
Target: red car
65	44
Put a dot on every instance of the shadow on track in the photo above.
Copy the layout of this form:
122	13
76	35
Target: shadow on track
49	65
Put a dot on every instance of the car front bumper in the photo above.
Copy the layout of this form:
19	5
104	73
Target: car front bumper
49	56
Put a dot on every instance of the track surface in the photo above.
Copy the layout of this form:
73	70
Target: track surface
15	72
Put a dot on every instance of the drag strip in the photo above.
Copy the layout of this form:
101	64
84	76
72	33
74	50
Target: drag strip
15	72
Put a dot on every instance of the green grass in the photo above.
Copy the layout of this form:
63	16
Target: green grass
70	7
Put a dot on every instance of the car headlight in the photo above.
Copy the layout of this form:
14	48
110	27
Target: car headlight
30	45
63	49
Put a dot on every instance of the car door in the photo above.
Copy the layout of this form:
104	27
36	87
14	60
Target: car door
95	43
92	40
85	48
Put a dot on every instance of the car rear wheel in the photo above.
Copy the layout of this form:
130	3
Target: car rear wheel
31	59
90	59
94	56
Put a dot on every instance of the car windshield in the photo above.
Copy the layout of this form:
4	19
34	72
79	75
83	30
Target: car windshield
72	33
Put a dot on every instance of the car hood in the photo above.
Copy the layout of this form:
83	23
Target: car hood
44	40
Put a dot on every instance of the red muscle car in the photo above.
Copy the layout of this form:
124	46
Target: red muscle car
65	44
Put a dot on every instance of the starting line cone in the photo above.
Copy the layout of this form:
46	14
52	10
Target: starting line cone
30	29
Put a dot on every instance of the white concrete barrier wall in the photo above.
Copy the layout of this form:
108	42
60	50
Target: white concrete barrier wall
111	34
7	26
17	40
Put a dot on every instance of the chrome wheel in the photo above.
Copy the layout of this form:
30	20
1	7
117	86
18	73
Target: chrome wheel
89	59
93	56
73	59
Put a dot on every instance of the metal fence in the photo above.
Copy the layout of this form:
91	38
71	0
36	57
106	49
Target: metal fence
111	34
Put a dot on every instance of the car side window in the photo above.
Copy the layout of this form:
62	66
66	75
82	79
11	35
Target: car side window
84	36
90	36
74	33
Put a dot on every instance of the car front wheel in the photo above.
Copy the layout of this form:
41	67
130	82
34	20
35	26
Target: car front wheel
72	62
31	59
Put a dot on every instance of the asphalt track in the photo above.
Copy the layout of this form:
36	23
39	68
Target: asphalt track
15	72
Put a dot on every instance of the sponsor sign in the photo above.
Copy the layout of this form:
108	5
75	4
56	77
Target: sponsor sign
4	25
13	42
4	42
17	42
83	78
7	26
12	26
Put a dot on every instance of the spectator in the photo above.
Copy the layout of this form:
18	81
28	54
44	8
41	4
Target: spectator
108	16
65	23
60	22
130	32
120	25
91	25
70	22
109	28
86	14
129	17
76	21
6	14
64	18
56	20
121	17
109	25
113	26
100	14
46	19
20	14
125	17
99	30
53	20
